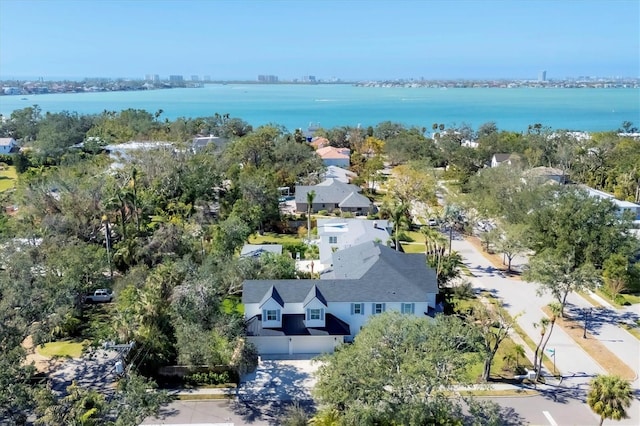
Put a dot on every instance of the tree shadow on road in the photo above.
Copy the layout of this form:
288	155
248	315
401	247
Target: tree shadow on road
597	317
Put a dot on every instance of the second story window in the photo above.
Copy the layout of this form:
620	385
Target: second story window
272	315
357	309
333	240
378	308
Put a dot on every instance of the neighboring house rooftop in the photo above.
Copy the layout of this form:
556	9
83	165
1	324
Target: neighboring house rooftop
355	231
621	204
546	173
200	142
319	142
256	250
498	159
331	153
7	141
340	174
328	191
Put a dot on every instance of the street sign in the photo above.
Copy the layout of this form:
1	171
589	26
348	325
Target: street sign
551	351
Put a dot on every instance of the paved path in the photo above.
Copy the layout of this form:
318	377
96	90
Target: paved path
576	366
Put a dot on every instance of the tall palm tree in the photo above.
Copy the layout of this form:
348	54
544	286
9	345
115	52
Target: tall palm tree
311	195
556	311
609	397
399	215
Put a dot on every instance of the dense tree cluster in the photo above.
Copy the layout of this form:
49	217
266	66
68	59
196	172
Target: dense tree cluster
162	229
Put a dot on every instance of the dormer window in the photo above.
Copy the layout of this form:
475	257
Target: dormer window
271	315
315	314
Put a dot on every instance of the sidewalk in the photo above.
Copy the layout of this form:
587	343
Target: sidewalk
521	297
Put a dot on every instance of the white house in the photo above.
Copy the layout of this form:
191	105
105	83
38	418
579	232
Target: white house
6	145
339	234
316	316
621	205
509	159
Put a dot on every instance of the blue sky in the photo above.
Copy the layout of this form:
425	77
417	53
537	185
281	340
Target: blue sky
343	39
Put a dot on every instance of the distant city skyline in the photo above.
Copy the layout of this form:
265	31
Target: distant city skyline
347	40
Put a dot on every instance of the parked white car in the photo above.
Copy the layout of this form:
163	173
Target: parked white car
101	295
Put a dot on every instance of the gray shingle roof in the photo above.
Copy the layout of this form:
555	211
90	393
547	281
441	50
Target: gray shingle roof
329	191
355	200
272	293
377	274
315	293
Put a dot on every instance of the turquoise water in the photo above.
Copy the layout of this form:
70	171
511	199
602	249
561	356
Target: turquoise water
295	106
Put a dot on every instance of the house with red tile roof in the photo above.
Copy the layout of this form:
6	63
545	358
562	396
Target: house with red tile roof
335	156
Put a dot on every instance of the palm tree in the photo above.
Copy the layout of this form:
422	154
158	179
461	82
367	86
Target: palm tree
399	216
609	397
452	217
519	352
311	195
556	311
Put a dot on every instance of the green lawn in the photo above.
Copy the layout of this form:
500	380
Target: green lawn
62	348
8	178
231	304
273	238
413	247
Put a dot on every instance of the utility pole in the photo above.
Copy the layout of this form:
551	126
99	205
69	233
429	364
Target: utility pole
107	236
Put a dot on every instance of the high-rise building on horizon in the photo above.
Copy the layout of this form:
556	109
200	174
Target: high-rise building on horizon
195	78
176	78
152	77
267	78
542	77
207	78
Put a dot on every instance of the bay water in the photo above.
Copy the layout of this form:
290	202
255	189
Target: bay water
329	105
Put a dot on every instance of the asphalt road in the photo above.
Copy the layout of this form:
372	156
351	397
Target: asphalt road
577	367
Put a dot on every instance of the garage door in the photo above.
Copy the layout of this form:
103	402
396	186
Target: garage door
313	344
271	345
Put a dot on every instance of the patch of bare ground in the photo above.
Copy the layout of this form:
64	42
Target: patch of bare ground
592	346
494	258
42	364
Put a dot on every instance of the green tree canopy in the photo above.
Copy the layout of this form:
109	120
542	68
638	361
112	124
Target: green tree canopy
399	371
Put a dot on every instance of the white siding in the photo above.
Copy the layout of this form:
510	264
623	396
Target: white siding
315	304
271	305
342	310
270	344
314	344
295	344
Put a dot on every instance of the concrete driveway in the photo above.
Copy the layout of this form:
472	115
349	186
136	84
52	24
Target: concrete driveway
280	379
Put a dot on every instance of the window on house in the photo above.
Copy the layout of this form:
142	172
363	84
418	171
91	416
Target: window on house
408	308
333	240
314	314
357	309
378	308
272	315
